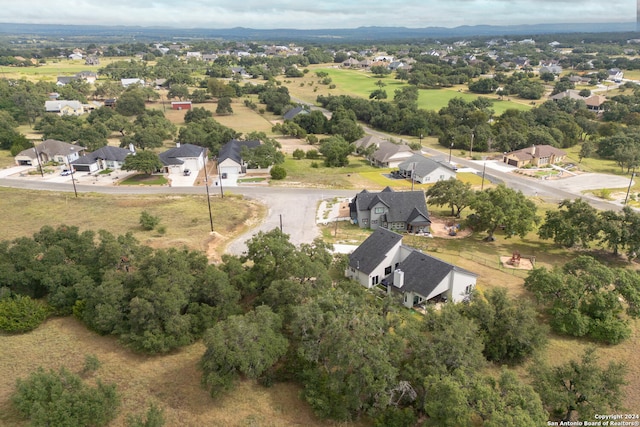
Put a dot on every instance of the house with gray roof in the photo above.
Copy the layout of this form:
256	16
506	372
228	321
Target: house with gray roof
64	107
395	210
230	162
424	170
390	155
292	112
182	157
107	157
383	262
50	150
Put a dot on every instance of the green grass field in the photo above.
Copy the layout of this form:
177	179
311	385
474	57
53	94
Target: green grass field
361	83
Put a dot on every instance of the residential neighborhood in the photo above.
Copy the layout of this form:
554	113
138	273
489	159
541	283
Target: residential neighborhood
309	227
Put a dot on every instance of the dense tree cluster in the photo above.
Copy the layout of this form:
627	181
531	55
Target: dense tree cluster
354	354
577	223
585	298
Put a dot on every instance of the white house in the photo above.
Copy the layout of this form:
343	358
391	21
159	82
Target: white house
424	170
182	157
390	155
107	157
64	108
50	150
382	260
128	82
230	162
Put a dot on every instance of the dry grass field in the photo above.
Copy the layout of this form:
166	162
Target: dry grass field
172	381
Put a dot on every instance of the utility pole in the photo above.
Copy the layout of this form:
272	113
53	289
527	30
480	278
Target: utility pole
219	178
73	179
484	167
450	148
38	158
471	146
206	185
633	174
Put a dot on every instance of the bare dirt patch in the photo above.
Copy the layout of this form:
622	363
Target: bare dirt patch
445	227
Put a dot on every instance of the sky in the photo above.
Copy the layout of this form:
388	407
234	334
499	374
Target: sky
315	14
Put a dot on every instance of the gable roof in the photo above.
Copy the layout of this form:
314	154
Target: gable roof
373	250
423	273
536	152
290	114
402	204
58	105
367	141
53	147
387	149
423	165
232	149
107	152
175	155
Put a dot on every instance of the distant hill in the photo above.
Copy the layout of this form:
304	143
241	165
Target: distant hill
354	34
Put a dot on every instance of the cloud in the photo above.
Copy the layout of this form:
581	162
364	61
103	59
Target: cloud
315	15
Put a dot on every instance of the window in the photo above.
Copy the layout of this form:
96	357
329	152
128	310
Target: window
378	210
397	264
374	280
468	289
374	221
387	271
365	221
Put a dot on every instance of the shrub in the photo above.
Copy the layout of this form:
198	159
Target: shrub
315	165
312	139
298	154
312	154
91	364
148	221
21	313
278	172
63	399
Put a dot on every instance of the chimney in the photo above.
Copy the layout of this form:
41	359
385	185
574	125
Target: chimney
533	150
398	278
177	144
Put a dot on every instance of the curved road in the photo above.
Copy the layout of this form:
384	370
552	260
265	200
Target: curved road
295	208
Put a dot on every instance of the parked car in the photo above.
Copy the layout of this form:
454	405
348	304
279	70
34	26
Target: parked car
65	172
187	172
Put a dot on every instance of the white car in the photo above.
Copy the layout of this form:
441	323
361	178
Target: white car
66	172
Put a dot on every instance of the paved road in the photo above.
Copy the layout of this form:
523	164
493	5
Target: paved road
296	207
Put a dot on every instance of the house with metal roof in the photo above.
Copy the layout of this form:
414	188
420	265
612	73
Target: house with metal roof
424	170
382	261
394	210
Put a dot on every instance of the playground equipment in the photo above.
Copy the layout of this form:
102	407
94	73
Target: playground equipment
515	259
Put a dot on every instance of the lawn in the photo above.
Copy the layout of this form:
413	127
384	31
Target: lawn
302	172
52	69
144	179
361	83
